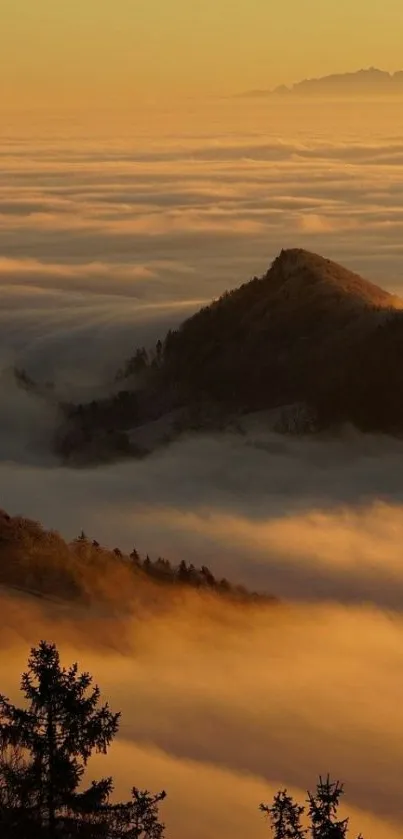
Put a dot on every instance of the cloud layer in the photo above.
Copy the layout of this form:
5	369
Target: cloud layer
105	244
221	706
95	231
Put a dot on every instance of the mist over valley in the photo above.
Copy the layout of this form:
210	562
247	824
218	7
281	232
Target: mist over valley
109	240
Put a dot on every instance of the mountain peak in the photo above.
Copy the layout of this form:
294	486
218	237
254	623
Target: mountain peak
308	275
309	332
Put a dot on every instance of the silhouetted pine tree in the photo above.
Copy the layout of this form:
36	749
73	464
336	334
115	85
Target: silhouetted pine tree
135	556
323	807
285	817
57	733
138	818
43	752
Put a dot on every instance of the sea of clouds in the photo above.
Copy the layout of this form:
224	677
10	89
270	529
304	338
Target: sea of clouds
106	241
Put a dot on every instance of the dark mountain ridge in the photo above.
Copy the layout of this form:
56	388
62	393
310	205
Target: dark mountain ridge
257	346
307	333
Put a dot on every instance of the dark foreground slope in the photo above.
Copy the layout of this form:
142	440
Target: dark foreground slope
308	332
41	562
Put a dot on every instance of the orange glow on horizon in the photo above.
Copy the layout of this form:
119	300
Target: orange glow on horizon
91	55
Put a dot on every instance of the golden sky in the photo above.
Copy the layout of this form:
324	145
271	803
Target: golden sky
105	52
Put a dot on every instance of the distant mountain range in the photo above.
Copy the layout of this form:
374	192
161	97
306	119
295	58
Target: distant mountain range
367	82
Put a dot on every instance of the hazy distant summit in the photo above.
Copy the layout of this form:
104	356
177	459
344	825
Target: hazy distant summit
368	82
